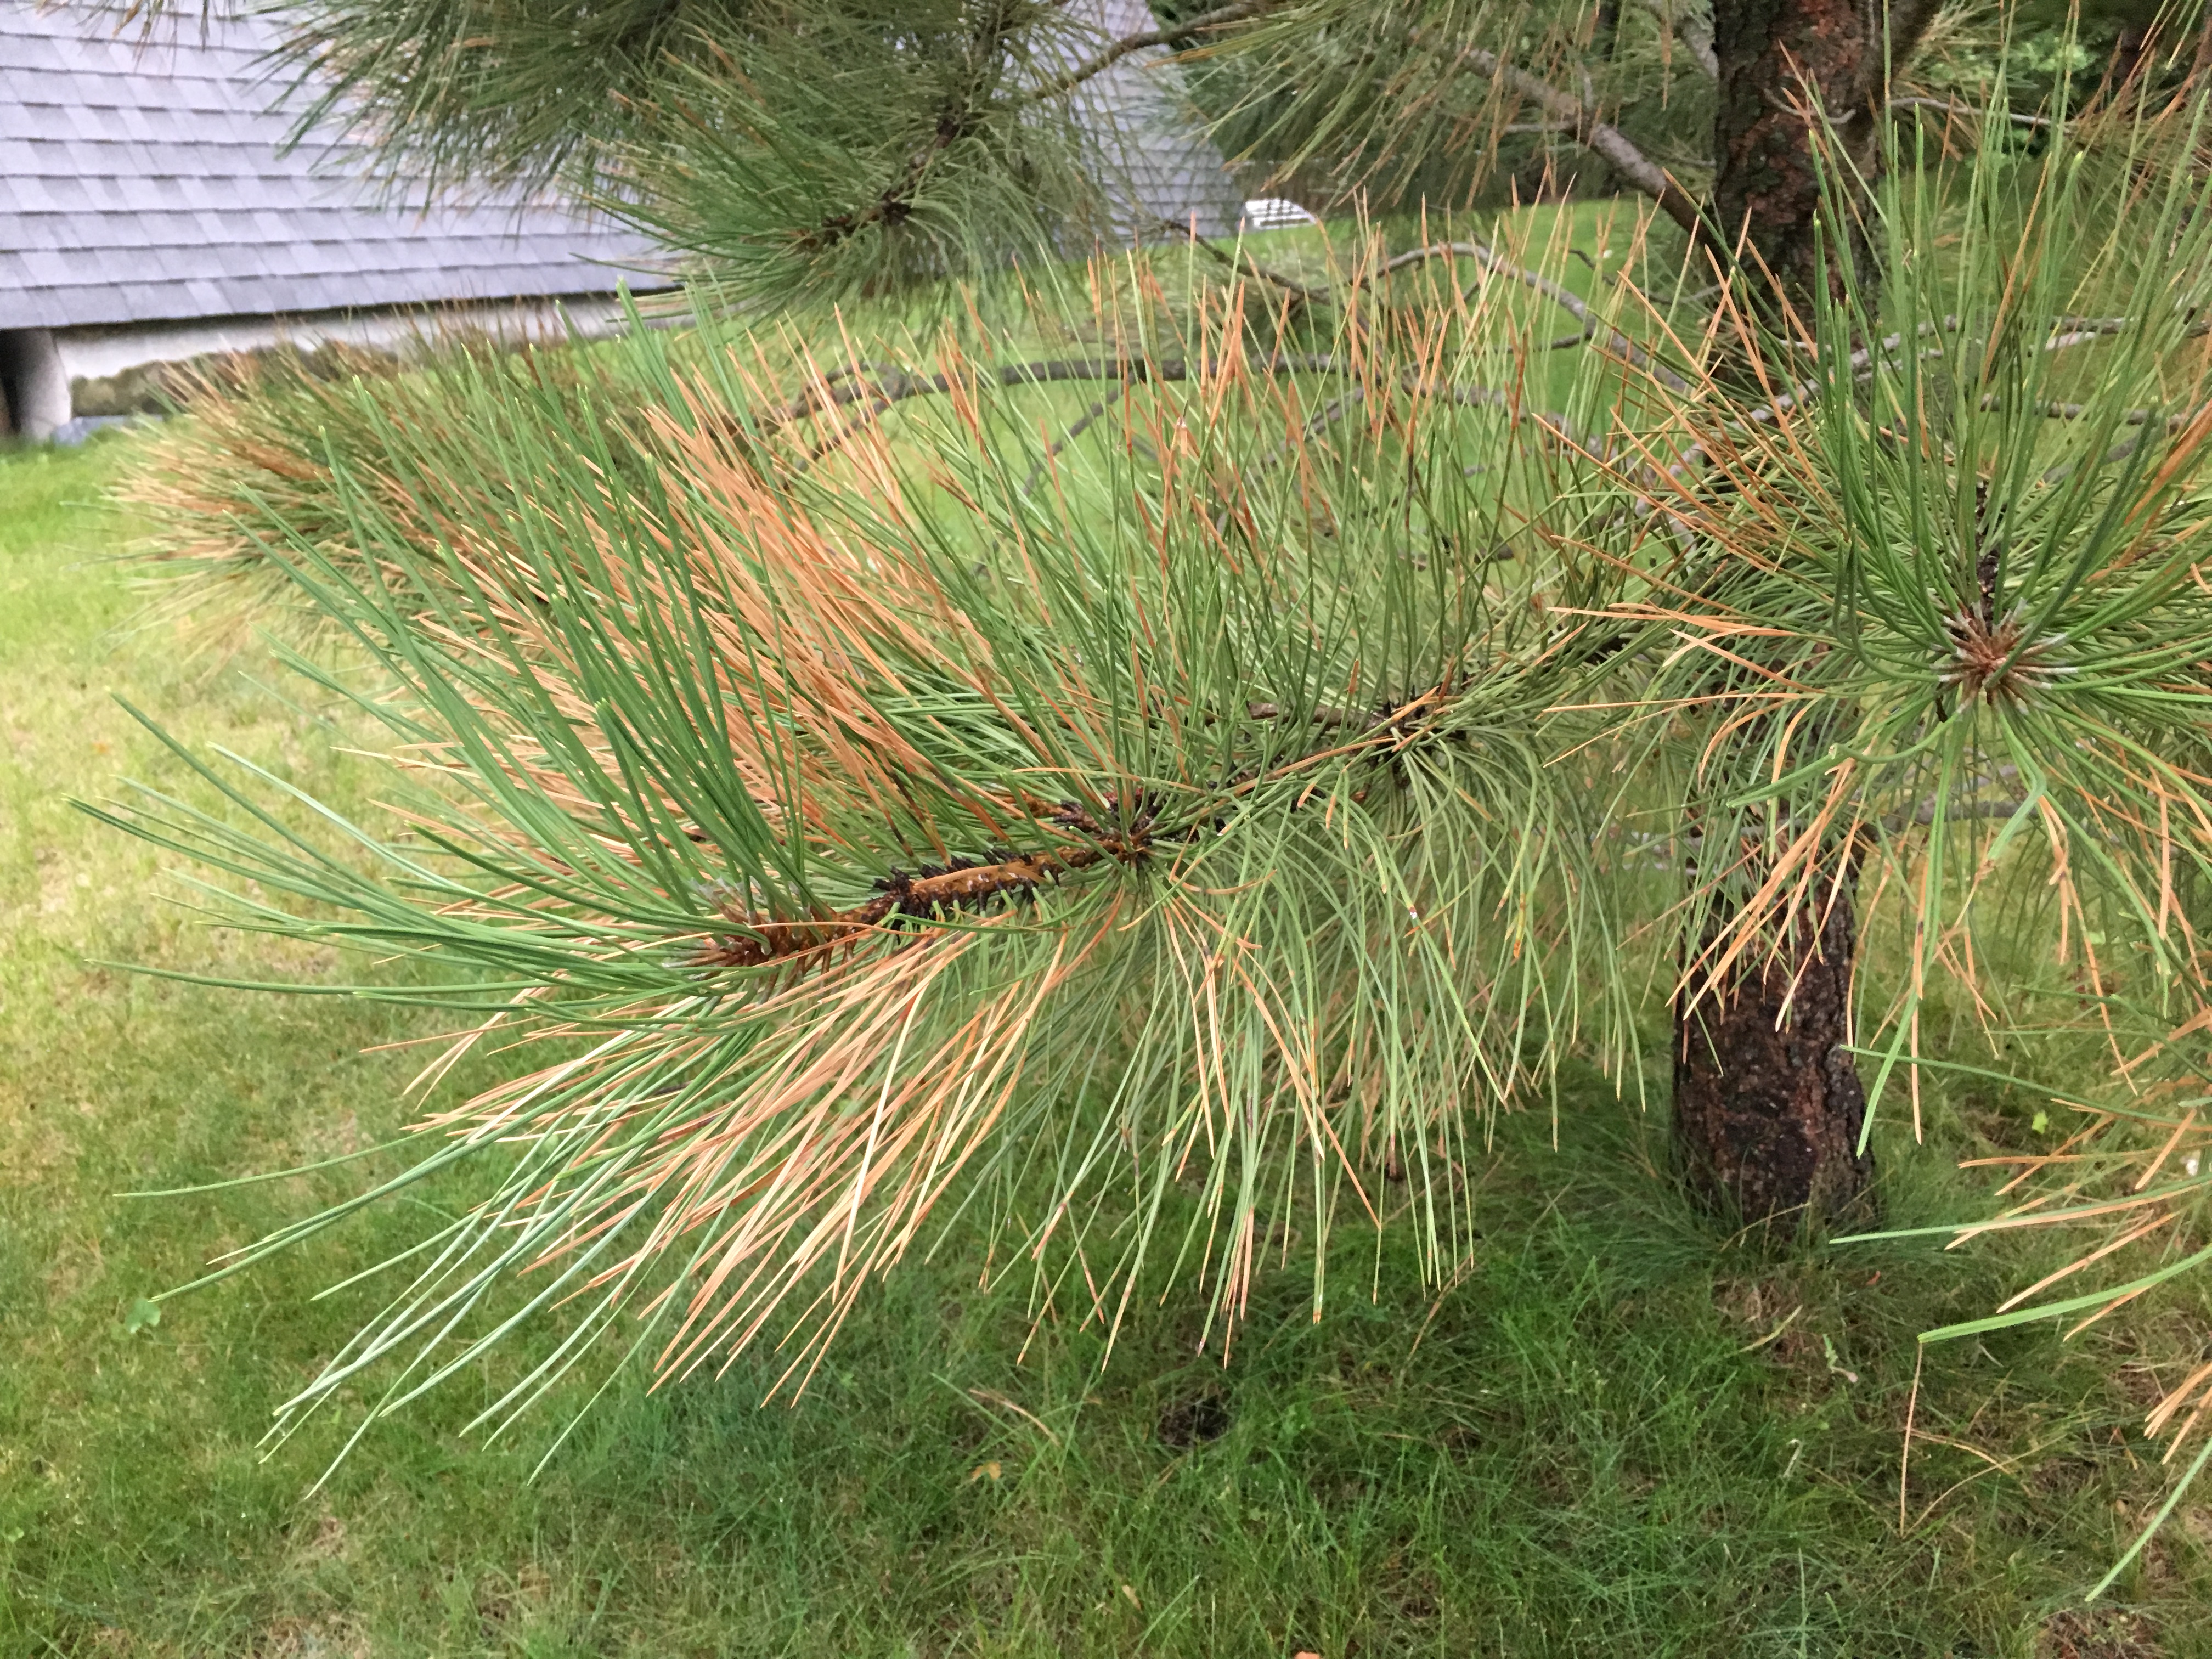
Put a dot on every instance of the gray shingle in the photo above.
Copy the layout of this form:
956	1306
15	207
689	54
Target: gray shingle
1159	164
142	179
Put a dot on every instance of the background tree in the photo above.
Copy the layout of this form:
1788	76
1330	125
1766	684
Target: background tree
892	787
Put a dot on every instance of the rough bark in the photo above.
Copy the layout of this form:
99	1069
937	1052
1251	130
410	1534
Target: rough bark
1768	1105
1782	64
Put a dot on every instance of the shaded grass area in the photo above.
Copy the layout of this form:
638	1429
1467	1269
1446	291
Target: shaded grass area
1618	1434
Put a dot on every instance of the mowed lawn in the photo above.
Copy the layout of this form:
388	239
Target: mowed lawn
1617	1435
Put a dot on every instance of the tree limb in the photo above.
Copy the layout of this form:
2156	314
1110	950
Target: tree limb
1220	17
1945	108
1579	121
1096	412
1243	262
1695	33
1558	294
881	383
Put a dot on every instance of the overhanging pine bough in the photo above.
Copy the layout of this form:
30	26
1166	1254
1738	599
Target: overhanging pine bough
1192	925
1265	792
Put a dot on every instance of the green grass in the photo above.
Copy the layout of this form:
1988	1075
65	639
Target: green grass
1584	1448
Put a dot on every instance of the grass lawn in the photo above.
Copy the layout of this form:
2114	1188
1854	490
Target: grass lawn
1617	1435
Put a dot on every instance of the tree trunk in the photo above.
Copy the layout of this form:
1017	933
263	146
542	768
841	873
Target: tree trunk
1767	1101
1768	1106
1779	62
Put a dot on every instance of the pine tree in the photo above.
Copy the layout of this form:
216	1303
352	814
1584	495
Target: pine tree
1193	740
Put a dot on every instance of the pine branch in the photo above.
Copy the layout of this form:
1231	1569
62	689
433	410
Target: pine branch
1695	33
1944	107
1556	292
1244	262
1579	121
1220	17
1092	416
1925	814
844	386
956	119
961	885
1564	297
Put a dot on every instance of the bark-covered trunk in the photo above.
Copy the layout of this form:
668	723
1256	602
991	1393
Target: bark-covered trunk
1767	1103
1779	60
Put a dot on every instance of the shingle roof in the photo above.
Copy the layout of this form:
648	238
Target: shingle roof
1168	169
145	180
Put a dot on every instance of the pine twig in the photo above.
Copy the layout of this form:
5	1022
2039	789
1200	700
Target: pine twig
1561	295
896	386
845	386
1579	121
1695	33
961	885
1944	107
1220	17
1246	264
1091	416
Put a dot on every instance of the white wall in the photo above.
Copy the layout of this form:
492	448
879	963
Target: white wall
98	353
38	386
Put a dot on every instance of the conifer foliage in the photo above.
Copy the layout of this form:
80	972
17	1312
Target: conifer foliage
1150	757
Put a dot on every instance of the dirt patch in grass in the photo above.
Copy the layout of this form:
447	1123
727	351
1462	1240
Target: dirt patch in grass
2092	1634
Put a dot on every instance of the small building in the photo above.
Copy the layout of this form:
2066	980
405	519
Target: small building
150	211
1163	170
